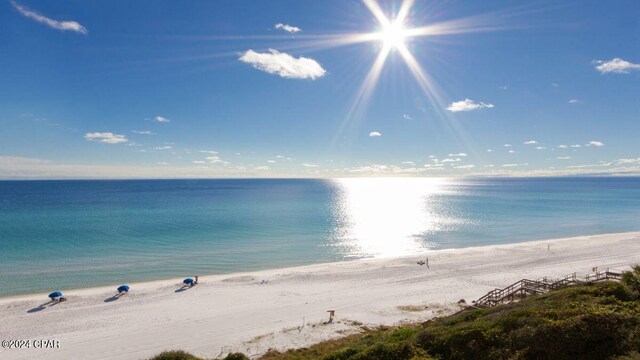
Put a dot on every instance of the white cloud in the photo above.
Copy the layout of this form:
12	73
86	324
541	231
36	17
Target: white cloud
464	167
467	105
407	117
504	87
198	162
576	146
512	152
208	152
15	161
514	165
271	161
161	119
540	148
55	24
284	65
616	65
602	164
489	150
508	145
564	157
460	154
451	160
309	165
377	169
106	137
596	143
142	132
530	142
215	159
434	166
287	28
629	161
262	168
562	146
374	134
166	147
574	101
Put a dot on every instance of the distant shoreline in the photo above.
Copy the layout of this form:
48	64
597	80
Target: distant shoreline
176	280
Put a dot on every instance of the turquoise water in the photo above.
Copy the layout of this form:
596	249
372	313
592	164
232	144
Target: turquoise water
71	234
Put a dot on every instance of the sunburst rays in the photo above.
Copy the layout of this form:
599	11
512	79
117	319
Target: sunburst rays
393	35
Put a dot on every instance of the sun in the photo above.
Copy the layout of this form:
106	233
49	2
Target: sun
393	35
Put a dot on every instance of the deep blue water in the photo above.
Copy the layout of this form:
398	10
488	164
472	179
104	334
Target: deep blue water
70	234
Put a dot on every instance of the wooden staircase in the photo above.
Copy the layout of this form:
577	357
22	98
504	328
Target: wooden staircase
526	287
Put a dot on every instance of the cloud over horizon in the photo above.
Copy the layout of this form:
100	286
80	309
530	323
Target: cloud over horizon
374	134
284	65
55	24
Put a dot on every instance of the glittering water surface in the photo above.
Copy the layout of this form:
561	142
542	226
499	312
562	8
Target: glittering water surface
68	234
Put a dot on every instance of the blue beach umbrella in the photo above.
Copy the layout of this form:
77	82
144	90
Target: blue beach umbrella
123	288
188	281
55	294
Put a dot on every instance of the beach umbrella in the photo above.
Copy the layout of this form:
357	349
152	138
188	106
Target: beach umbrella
55	294
123	288
188	281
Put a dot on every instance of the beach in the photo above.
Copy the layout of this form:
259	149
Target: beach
287	308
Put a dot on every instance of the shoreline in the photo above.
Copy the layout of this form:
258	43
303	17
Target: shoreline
215	277
235	312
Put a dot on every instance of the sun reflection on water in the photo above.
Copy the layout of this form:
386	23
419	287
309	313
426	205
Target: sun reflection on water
384	217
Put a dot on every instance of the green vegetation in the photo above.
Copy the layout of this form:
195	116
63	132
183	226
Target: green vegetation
590	321
175	355
632	279
383	343
596	321
181	355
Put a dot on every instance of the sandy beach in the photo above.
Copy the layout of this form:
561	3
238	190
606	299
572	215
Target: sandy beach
287	308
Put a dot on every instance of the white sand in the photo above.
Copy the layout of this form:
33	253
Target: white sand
235	312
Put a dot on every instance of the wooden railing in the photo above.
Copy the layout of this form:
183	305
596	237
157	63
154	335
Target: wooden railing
604	276
526	287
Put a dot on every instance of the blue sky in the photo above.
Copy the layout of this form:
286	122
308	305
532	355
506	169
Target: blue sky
270	89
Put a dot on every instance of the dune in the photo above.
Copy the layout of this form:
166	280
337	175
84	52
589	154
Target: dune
241	312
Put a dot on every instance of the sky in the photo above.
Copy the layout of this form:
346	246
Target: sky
233	88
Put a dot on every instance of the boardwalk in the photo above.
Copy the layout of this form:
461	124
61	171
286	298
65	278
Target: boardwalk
526	287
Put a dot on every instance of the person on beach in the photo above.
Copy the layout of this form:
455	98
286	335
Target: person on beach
195	282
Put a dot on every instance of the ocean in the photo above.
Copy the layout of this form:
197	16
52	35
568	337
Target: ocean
57	235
